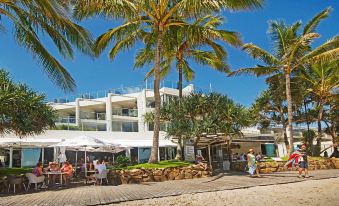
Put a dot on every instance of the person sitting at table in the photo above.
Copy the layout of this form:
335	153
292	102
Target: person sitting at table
37	171
104	162
90	166
101	166
68	170
53	167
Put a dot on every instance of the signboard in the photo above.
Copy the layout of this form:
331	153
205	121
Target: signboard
189	153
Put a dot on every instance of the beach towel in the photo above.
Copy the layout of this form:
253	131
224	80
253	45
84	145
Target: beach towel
292	160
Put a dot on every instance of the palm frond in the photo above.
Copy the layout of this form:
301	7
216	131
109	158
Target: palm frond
259	53
119	33
59	75
258	71
302	44
112	8
325	52
125	43
188	72
313	23
143	57
210	59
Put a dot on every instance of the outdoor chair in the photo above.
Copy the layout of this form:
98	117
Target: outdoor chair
102	176
32	179
13	180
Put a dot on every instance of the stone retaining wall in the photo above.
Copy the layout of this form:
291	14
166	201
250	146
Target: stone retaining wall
116	177
269	167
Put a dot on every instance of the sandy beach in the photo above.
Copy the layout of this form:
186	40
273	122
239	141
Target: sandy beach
310	192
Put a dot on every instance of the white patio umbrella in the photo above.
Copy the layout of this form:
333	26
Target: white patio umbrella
113	150
62	156
85	142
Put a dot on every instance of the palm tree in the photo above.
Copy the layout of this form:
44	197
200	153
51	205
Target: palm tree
31	18
322	80
292	50
271	107
23	111
148	21
185	43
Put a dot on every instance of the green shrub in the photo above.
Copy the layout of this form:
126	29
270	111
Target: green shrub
122	161
14	171
161	164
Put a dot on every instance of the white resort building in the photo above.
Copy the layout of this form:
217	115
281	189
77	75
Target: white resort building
117	116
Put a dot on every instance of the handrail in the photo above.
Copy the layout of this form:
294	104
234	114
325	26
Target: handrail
125	112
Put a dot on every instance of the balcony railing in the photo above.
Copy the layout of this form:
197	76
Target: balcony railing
66	120
125	112
118	91
93	115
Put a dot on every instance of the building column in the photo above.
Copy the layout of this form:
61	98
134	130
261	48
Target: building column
209	155
77	112
109	113
142	109
138	154
158	154
10	157
128	153
42	156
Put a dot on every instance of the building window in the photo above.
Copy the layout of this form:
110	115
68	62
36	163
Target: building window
150	104
144	154
151	126
130	126
268	150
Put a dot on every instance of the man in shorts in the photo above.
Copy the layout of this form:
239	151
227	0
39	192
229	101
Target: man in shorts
303	163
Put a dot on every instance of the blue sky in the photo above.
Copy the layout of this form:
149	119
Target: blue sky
101	73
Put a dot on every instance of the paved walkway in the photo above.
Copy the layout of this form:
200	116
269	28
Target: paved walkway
98	195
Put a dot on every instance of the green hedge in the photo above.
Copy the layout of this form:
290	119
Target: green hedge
14	171
161	164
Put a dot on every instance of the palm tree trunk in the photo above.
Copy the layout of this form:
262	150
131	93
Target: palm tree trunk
180	145
155	145
320	117
306	116
283	122
180	82
178	156
289	111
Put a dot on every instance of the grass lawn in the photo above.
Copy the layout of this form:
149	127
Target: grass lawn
161	164
14	171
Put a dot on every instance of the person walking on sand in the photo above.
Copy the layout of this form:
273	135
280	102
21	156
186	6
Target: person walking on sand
303	163
252	163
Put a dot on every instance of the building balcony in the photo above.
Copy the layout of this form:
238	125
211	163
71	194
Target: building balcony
65	120
93	115
125	112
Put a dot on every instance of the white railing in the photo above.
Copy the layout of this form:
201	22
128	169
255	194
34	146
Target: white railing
119	91
66	120
125	112
93	115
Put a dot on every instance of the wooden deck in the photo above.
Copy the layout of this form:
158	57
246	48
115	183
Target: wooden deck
98	195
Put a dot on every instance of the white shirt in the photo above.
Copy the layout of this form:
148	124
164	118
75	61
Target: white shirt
101	168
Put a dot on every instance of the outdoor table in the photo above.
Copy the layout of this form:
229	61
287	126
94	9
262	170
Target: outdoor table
54	173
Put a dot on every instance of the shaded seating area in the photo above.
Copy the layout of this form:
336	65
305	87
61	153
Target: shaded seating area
57	174
12	181
101	176
32	179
